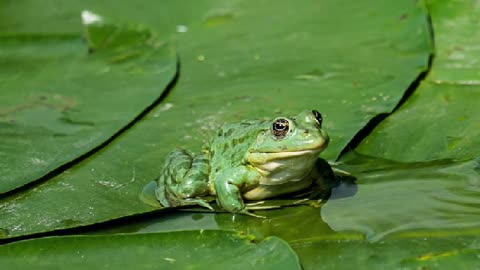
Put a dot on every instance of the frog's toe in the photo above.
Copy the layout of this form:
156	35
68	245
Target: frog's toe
319	194
203	203
254	203
248	213
263	207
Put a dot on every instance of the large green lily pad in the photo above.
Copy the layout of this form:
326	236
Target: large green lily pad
418	215
399	253
236	66
440	120
62	98
229	43
401	216
206	250
397	197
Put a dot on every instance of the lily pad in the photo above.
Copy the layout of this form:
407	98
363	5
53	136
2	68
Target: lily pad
398	197
396	215
235	66
392	227
207	250
227	44
400	253
440	120
62	99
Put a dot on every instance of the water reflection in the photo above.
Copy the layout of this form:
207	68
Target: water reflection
347	188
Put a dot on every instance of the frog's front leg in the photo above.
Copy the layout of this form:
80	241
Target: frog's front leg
230	184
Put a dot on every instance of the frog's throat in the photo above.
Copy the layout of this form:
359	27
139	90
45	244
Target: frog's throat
282	167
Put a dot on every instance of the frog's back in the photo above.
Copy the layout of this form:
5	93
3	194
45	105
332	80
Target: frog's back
231	143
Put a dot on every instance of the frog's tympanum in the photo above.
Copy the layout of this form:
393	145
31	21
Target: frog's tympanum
250	160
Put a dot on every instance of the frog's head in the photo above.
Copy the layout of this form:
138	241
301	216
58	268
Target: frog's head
289	141
302	132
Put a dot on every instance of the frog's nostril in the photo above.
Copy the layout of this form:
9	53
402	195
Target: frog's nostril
318	117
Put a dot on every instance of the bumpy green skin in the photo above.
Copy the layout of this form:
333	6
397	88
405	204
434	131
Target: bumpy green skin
247	161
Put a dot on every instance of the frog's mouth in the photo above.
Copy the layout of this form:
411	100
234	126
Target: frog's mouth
266	157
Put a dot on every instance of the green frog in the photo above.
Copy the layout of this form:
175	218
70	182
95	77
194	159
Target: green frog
250	160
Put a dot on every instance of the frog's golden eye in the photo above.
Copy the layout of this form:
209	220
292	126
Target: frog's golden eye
280	128
318	117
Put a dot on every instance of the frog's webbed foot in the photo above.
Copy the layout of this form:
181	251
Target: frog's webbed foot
324	175
259	206
303	201
255	206
341	172
250	204
319	193
245	211
198	201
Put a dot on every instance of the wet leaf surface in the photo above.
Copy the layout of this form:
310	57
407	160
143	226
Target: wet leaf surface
59	101
207	250
235	66
394	197
404	253
351	61
440	119
396	215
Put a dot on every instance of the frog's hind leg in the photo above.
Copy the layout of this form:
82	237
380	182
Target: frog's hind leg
325	180
324	175
183	180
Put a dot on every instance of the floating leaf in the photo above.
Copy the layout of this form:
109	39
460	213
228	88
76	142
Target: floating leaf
236	67
440	120
396	197
206	250
59	101
403	253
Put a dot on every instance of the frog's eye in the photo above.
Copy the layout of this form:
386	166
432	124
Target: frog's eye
318	117
280	128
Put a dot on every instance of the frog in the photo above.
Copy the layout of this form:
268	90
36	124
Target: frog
251	160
